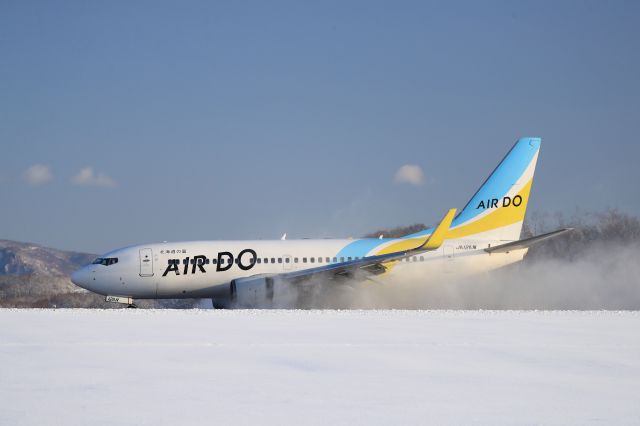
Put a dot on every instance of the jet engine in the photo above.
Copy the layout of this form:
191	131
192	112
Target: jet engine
250	292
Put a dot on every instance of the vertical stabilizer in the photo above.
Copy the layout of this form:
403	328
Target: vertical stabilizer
498	208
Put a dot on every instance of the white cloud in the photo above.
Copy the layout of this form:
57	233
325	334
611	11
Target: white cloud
410	174
38	174
87	176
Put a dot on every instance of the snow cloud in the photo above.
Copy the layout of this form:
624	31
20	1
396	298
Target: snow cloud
38	174
88	177
409	173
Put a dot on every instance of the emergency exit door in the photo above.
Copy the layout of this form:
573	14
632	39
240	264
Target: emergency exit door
146	262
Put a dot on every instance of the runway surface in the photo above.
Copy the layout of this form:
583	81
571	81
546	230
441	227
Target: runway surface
155	367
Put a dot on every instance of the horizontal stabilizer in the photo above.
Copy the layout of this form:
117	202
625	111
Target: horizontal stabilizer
527	242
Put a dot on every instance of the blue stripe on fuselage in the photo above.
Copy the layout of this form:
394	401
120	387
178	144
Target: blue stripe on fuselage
360	248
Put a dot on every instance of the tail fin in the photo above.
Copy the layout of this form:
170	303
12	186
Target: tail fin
497	209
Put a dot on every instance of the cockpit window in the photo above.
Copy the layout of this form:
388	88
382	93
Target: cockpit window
106	261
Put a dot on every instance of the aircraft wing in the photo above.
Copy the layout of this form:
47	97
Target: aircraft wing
527	242
372	265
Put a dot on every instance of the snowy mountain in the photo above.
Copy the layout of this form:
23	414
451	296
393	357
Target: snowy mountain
36	276
18	258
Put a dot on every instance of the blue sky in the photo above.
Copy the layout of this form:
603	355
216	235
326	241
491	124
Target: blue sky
151	121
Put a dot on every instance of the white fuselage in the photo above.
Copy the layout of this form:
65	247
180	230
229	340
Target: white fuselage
201	269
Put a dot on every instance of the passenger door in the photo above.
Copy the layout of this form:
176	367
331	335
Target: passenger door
146	262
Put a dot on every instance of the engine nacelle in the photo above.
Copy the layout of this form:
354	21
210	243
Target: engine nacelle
252	292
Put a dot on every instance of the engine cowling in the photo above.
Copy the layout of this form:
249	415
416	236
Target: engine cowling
252	292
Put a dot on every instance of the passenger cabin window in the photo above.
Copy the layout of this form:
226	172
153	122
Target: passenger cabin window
335	259
259	260
106	261
279	260
295	260
304	260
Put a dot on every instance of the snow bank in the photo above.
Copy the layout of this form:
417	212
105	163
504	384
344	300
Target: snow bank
318	367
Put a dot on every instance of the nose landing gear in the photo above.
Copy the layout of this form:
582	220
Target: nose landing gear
122	300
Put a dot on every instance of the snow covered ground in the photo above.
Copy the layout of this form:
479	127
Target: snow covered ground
318	367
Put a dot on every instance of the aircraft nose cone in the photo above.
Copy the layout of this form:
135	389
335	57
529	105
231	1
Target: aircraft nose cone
80	278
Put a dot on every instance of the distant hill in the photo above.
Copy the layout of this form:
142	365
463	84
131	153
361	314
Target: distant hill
25	258
32	276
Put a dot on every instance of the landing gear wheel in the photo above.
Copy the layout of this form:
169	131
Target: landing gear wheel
131	306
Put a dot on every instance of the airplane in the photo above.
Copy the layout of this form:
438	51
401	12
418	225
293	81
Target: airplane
483	236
